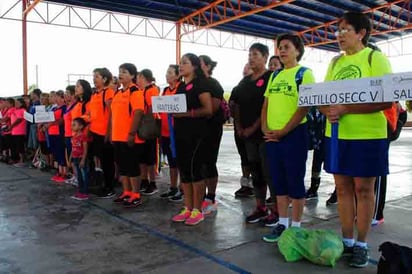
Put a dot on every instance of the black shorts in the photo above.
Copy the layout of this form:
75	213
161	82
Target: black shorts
211	146
241	149
190	159
149	155
43	148
166	149
18	143
127	158
97	145
7	142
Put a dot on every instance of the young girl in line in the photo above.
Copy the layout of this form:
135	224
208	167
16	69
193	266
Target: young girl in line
78	158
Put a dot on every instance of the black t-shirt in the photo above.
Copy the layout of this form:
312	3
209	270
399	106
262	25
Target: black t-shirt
189	127
217	92
249	96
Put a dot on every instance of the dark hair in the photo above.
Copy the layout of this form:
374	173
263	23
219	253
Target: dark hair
37	91
11	101
359	21
87	93
373	46
263	49
147	74
21	101
60	93
80	120
295	40
195	61
208	62
105	73
131	69
71	89
25	96
175	68
277	58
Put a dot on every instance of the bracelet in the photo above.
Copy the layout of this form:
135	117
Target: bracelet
192	113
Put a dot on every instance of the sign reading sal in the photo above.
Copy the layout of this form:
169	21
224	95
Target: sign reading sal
356	91
398	86
169	104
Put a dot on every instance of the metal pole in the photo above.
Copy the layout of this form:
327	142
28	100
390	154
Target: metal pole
178	42
24	47
37	76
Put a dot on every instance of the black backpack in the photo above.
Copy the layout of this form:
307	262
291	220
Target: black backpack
395	259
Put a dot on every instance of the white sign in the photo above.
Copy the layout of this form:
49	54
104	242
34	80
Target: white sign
28	117
169	104
44	117
354	91
1	116
398	87
40	108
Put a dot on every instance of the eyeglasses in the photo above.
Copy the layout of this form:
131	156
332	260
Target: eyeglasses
342	31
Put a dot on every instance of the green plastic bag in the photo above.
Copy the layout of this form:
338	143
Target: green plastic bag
323	247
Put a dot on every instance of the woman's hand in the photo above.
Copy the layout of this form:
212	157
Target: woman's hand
273	135
335	112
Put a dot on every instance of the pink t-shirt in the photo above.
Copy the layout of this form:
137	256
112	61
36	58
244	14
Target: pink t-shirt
20	128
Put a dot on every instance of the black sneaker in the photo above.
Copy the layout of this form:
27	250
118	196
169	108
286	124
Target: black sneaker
360	257
347	251
178	197
143	185
122	198
311	194
170	193
132	202
106	194
269	201
274	236
240	191
150	189
257	215
333	199
271	220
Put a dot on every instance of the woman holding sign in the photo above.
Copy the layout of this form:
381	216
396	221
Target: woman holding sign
286	134
191	131
360	153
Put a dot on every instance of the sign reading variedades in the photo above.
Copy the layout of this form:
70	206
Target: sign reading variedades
356	91
44	117
398	87
169	104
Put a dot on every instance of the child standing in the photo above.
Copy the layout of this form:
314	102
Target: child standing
78	157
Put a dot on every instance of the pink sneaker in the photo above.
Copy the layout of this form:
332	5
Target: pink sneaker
59	179
182	216
209	207
80	197
55	177
195	218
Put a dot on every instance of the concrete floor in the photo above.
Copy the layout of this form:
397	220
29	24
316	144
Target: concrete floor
42	230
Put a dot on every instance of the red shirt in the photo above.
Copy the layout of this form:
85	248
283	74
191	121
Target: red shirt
77	144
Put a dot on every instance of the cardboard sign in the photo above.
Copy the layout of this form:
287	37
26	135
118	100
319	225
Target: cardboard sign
397	87
169	104
44	117
354	91
1	116
40	108
28	117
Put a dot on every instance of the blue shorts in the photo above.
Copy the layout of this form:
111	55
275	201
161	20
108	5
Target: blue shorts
359	158
57	149
287	163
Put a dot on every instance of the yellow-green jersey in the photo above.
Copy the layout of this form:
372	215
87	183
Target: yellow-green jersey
282	95
363	64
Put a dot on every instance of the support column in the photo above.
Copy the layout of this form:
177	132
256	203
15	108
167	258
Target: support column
24	47
178	42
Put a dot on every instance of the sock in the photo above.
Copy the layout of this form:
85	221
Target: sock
348	242
98	169
361	244
295	224
211	197
284	221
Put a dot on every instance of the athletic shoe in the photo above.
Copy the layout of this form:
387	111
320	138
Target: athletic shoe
72	181
177	198
122	197
150	189
245	192
347	251
55	177
133	201
271	220
269	201
170	193
360	257
195	217
257	215
80	197
183	215
377	222
275	235
311	194
106	194
209	207
19	165
333	199
143	185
